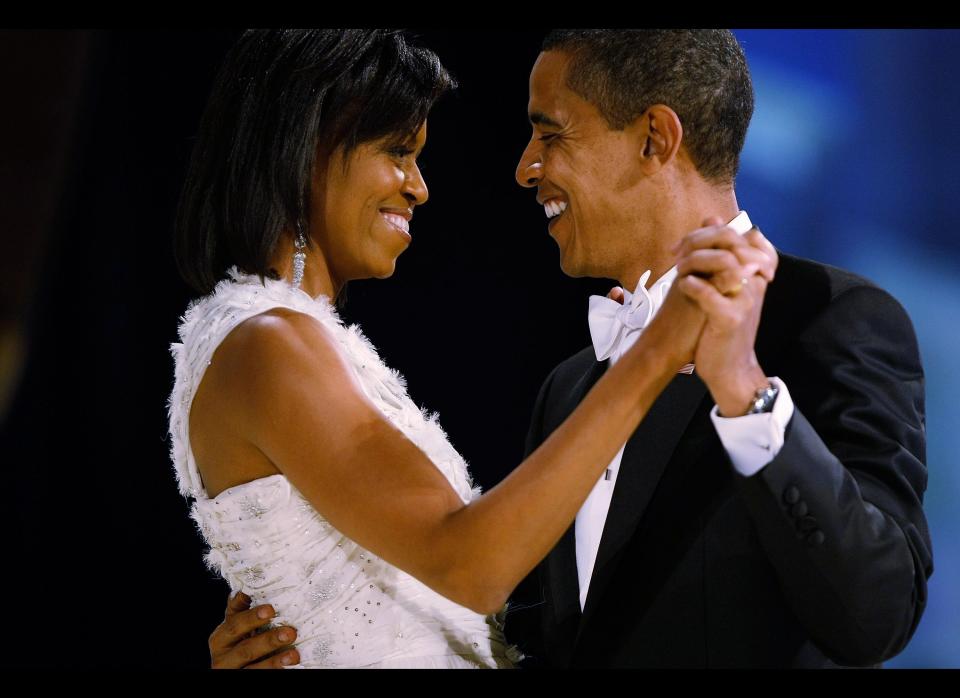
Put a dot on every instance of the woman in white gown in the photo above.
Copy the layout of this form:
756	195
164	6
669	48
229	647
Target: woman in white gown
321	489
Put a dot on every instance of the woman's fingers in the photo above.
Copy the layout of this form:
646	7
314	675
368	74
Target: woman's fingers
616	294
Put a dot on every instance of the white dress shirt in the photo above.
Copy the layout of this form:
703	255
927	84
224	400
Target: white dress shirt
751	441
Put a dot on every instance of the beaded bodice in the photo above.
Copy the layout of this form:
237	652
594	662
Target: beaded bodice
350	607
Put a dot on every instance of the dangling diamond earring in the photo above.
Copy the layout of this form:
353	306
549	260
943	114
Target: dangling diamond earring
299	257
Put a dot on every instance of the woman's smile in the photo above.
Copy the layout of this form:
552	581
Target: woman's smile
399	221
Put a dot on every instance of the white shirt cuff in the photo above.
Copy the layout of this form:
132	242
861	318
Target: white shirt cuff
754	440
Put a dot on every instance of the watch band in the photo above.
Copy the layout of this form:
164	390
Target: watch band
763	400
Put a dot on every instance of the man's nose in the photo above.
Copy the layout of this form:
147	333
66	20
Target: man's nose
530	169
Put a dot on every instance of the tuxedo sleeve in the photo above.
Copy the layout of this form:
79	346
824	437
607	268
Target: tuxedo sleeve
839	509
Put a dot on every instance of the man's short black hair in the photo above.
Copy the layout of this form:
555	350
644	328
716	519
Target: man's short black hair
701	74
279	96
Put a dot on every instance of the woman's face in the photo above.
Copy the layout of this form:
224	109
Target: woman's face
361	205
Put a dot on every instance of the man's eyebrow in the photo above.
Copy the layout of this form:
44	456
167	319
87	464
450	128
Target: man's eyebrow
540	119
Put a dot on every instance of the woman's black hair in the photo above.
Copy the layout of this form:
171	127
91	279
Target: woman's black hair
280	95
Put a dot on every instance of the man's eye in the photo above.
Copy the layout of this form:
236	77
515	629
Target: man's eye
547	137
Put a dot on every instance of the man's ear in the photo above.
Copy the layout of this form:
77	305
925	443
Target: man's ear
660	134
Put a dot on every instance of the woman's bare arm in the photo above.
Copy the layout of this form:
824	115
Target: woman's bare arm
292	395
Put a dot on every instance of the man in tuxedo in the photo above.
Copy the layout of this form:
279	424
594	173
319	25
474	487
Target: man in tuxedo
768	510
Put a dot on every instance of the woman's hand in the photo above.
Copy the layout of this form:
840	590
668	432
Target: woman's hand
739	269
676	329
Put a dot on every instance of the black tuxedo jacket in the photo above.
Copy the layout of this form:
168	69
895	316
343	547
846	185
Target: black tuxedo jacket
819	559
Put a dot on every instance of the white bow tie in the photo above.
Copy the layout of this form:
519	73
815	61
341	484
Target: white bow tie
615	327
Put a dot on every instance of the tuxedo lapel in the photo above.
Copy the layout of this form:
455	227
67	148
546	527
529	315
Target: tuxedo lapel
645	457
561	563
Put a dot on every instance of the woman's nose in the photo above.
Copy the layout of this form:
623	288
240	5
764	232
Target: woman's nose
415	188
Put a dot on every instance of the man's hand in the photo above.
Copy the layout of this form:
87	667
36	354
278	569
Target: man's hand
234	646
678	325
740	269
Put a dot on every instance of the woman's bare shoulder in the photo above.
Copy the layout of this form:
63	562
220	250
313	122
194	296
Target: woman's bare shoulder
277	346
279	367
282	365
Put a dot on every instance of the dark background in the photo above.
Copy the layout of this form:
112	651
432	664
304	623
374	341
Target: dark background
99	546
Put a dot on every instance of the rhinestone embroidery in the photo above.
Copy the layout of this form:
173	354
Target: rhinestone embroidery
322	649
254	575
322	591
252	508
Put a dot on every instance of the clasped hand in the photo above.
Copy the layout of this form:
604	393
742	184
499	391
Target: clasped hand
712	312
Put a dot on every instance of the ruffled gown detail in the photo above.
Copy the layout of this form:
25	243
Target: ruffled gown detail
350	608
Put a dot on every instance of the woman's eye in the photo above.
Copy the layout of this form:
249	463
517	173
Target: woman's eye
401	151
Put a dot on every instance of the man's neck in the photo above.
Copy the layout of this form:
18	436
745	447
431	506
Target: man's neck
672	226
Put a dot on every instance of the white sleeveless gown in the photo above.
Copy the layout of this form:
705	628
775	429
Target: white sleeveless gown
351	608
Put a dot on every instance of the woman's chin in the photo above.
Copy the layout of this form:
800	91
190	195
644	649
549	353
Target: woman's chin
386	270
380	266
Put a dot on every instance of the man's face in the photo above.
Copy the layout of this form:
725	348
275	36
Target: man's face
581	166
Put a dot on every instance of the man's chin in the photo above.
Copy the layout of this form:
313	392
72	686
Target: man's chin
572	268
568	261
571	263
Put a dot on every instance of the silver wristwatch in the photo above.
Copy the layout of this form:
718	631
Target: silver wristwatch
763	400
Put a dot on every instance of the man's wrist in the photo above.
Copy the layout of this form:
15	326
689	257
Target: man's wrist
737	395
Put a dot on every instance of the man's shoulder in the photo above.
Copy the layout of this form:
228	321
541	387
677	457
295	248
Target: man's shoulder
812	297
804	288
822	281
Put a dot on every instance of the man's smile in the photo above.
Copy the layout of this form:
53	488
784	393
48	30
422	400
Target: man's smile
554	207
